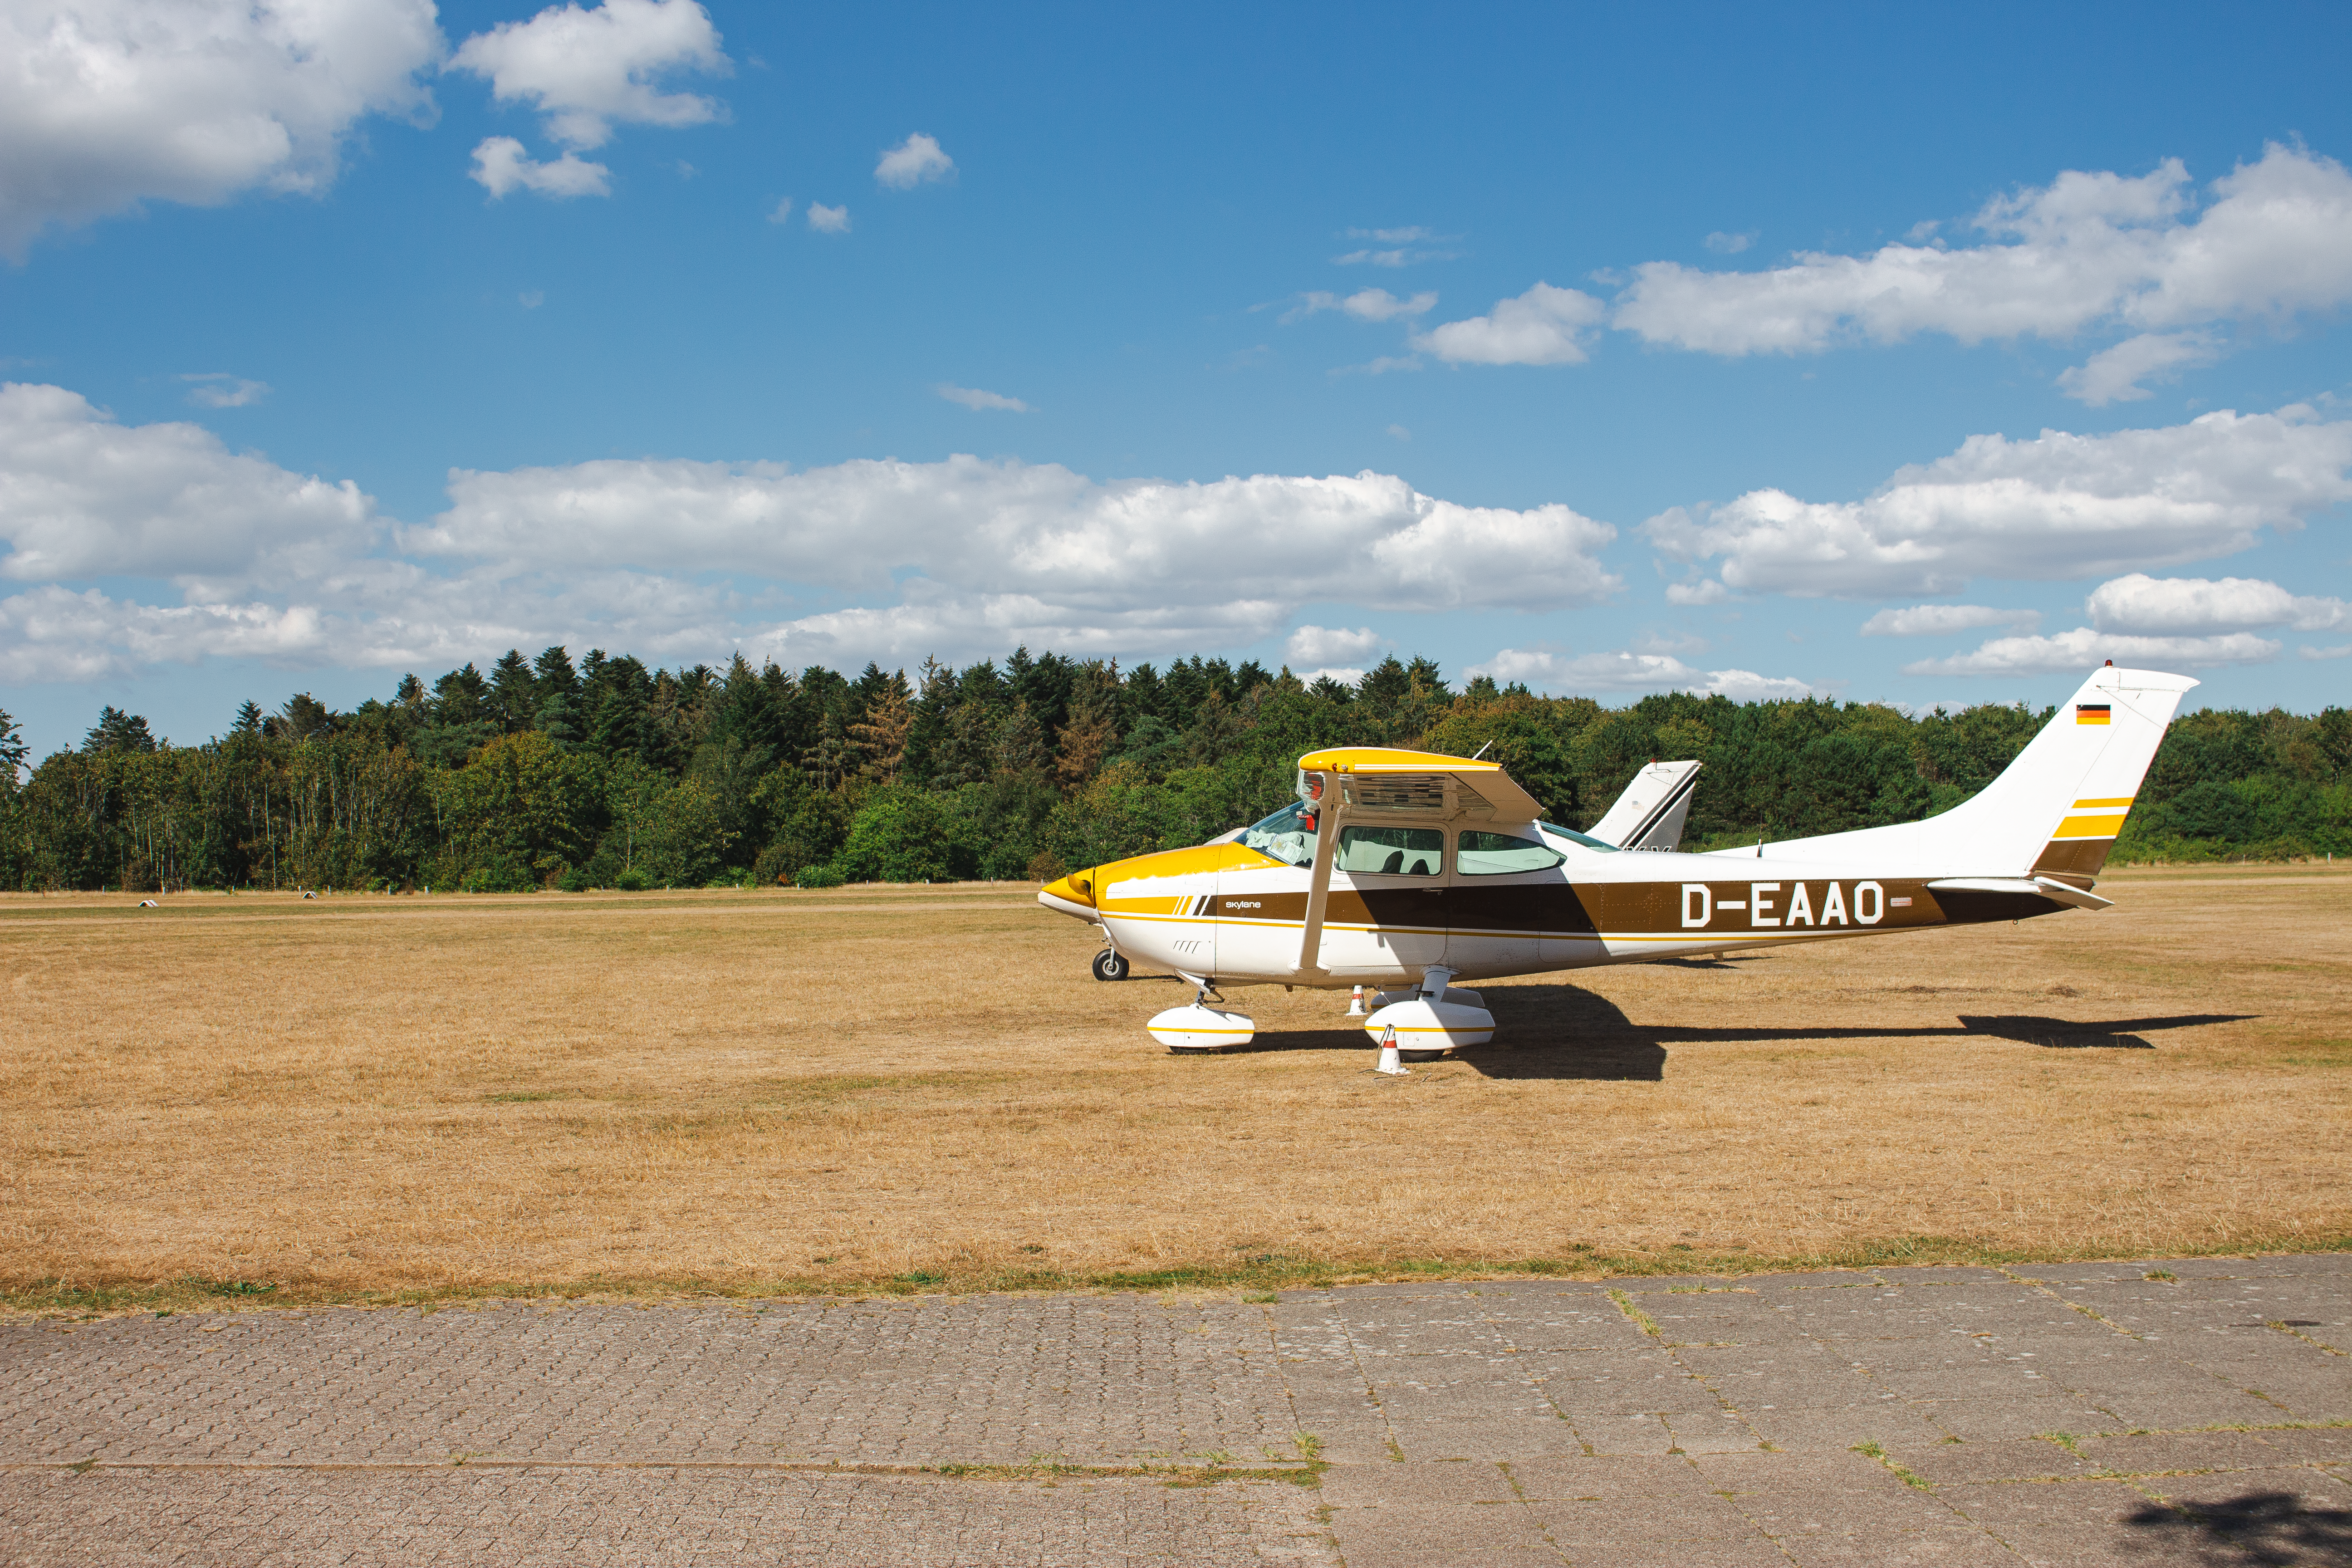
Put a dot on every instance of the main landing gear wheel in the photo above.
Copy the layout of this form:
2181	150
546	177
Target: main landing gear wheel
1110	965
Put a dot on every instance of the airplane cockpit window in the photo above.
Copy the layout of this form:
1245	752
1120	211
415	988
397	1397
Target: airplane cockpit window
1495	854
1288	836
1392	851
1573	836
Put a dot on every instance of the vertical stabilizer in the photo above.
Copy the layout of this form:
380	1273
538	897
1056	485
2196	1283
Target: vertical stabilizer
1651	812
2055	810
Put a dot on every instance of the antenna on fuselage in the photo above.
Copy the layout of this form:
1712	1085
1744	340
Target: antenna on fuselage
1480	752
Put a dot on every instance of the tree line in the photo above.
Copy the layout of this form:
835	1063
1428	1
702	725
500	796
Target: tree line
609	774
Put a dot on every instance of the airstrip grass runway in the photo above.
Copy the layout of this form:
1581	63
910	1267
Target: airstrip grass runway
787	1092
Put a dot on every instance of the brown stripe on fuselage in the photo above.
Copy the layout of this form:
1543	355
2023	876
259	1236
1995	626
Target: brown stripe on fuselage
1603	909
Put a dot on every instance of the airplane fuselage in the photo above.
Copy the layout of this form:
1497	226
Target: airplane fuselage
1231	913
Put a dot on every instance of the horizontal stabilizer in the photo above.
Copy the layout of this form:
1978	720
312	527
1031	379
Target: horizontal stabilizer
2041	886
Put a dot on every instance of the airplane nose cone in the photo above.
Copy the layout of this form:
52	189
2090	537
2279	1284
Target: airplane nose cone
1076	888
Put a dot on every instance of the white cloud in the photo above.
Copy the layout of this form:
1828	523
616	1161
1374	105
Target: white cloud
681	559
828	220
1408	247
110	102
2113	375
1705	591
1936	620
218	389
1365	305
532	298
2139	602
2088	250
82	496
781	211
972	398
1400	433
2084	648
913	162
1553	673
2342	650
1543	326
1729	244
1346	675
586	71
1012	528
1331	645
2055	507
501	165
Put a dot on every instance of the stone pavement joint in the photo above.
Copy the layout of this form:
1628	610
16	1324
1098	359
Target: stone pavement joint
2192	1410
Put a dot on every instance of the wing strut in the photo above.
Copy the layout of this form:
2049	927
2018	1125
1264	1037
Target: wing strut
1318	886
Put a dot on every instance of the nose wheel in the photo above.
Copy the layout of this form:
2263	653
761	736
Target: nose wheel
1110	965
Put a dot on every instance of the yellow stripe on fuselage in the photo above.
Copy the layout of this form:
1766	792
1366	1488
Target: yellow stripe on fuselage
2090	805
2089	827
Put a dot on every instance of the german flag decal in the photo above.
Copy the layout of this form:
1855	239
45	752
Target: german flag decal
2091	713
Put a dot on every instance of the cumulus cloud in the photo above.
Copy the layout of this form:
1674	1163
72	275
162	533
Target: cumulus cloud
218	389
681	559
1015	528
1729	244
1704	591
1330	645
1563	675
781	211
1543	326
1936	620
2089	250
828	220
2055	507
1365	305
500	165
110	102
82	496
912	161
2084	647
587	70
2139	602
2113	375
979	401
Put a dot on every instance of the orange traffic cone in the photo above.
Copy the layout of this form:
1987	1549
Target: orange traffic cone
1390	1063
1356	1003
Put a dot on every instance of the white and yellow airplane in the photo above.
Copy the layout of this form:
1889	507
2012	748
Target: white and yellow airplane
1409	870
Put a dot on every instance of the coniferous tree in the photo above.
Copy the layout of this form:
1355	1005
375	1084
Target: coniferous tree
514	693
116	732
13	749
248	719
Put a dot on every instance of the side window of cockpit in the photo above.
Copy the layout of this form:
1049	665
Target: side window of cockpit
1496	854
1392	851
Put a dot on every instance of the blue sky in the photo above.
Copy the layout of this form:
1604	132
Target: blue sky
2017	339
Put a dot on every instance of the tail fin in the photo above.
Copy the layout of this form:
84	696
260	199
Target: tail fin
1650	814
2056	809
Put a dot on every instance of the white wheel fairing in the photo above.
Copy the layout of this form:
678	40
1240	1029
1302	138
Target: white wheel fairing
1195	1028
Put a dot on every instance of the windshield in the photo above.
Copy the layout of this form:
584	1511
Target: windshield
1573	836
1288	836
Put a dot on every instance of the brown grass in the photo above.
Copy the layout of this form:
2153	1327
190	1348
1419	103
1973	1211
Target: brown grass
792	1090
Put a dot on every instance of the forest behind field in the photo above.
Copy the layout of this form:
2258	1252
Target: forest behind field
610	773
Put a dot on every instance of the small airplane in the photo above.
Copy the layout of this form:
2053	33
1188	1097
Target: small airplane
1409	870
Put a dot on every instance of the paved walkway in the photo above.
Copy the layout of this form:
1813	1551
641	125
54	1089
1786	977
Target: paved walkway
2146	1413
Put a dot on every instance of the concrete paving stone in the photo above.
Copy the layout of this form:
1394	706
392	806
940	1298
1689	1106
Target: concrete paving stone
1416	1485
2006	1460
1613	1433
1715	1431
1758	1474
1512	1439
2155	1452
2294	1516
1662	1284
1423	1535
1729	1551
1573	1519
1801	1428
1990	1420
2320	1446
1611	1478
2066	1524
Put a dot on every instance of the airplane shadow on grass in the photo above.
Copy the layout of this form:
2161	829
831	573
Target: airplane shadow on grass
1558	1031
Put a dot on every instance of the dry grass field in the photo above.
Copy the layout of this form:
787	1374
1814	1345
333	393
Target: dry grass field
873	1089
